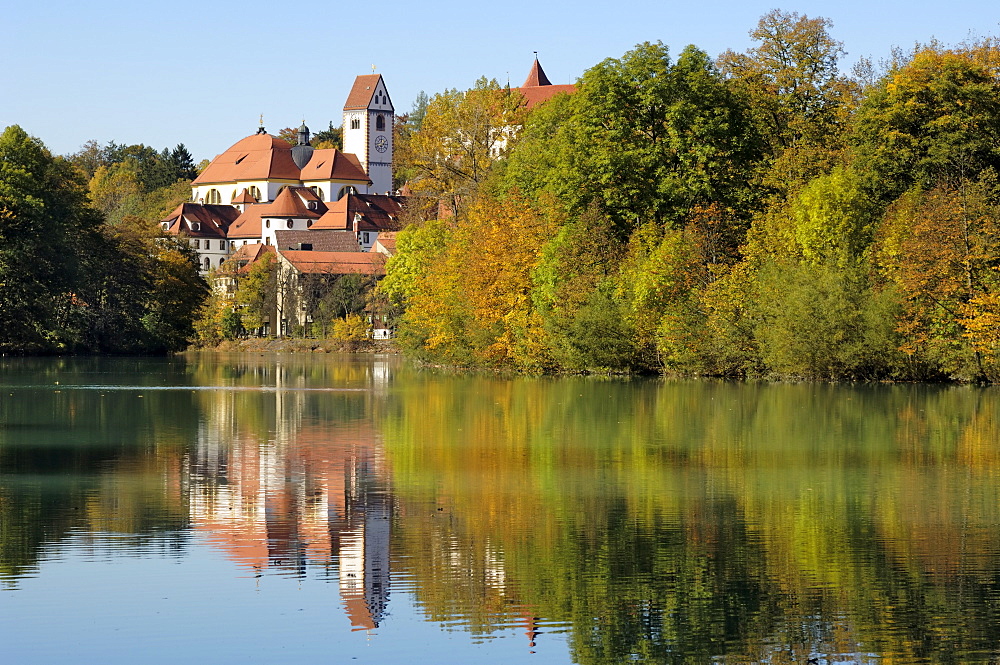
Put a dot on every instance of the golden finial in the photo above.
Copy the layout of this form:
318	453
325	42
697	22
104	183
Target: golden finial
373	69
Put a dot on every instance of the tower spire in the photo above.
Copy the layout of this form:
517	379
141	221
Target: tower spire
536	76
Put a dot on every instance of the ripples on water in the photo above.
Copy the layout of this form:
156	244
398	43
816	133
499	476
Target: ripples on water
274	508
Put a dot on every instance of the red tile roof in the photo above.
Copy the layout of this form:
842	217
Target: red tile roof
331	164
246	256
290	202
543	93
362	92
335	217
537	88
244	197
248	224
295	202
378	212
387	239
257	157
335	263
213	220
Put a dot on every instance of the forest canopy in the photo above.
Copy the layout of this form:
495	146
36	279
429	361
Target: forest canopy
756	214
83	268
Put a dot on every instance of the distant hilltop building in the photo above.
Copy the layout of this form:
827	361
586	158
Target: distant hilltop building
537	88
262	184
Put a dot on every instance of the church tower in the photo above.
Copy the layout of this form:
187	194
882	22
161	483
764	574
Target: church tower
368	121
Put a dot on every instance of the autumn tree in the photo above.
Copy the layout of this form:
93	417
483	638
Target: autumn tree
934	120
257	294
469	299
941	248
462	135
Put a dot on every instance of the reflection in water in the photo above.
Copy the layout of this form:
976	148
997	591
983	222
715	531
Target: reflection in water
628	520
303	491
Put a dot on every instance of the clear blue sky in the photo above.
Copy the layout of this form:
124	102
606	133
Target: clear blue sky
200	73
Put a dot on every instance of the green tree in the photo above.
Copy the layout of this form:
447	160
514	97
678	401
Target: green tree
832	218
331	137
43	219
649	140
792	76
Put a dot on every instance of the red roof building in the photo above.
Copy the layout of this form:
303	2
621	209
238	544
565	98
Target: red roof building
262	184
537	88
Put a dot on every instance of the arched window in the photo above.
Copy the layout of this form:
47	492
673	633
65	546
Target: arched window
221	261
233	197
267	223
380	123
290	223
355	123
208	264
345	190
213	197
254	192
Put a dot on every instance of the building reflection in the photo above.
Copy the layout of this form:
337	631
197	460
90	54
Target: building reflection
297	494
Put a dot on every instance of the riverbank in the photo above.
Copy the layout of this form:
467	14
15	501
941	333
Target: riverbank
294	345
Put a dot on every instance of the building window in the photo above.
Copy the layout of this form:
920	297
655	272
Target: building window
222	245
220	262
379	123
196	243
267	223
355	123
365	237
213	197
289	223
208	265
255	193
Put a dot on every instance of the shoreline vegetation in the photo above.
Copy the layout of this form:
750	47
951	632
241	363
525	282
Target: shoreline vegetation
759	215
755	215
296	345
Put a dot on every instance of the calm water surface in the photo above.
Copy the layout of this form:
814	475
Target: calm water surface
250	508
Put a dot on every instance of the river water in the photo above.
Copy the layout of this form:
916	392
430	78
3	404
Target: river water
279	508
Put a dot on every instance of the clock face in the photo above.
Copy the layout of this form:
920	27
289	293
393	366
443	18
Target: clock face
381	143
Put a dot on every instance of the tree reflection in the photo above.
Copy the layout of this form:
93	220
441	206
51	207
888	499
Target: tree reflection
698	520
648	520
